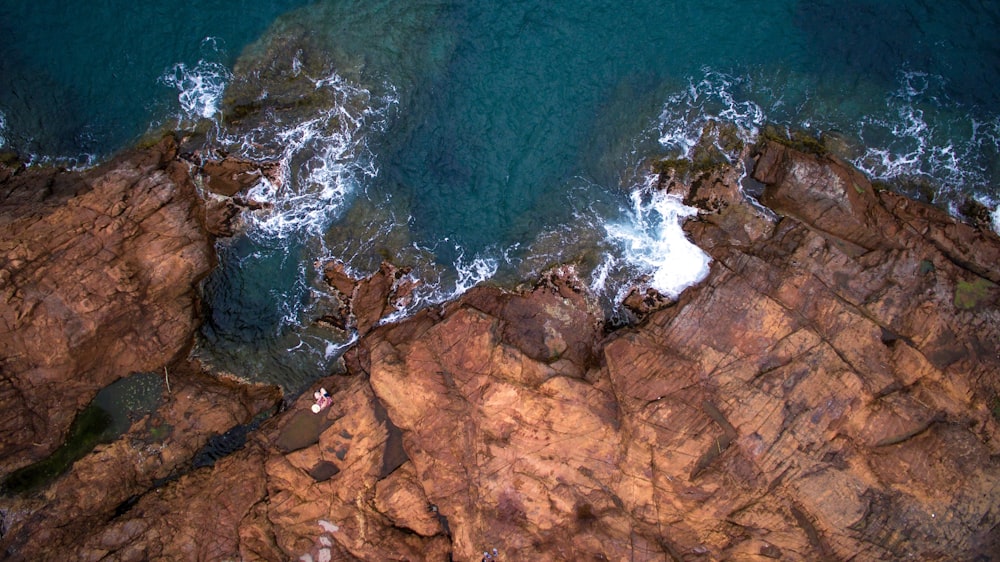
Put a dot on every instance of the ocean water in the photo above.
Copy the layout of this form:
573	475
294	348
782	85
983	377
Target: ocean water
483	142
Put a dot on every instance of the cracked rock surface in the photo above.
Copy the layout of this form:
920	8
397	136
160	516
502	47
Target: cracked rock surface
829	392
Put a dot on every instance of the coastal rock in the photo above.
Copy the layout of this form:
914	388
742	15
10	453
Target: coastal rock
828	392
231	175
93	502
827	195
98	274
825	393
363	303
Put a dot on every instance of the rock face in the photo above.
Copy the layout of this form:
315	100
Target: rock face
98	273
829	392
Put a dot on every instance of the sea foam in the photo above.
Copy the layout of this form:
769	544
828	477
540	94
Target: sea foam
200	86
322	159
648	242
711	97
653	242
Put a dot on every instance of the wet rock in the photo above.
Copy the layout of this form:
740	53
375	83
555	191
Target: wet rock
363	303
642	302
230	175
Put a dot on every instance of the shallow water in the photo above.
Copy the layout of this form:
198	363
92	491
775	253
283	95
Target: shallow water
479	141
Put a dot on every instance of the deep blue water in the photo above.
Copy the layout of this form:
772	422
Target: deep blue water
478	140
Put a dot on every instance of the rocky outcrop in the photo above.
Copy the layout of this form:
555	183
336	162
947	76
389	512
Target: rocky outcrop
829	392
363	303
229	176
99	276
98	273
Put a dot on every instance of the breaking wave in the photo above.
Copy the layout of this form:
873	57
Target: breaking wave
322	160
652	245
715	96
917	137
200	86
924	135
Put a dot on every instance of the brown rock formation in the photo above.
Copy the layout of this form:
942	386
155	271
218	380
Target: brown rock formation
99	270
98	273
829	392
79	513
363	303
229	176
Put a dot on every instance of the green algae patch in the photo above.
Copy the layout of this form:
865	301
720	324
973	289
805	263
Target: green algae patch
9	158
970	294
109	415
976	214
717	147
90	428
677	166
795	139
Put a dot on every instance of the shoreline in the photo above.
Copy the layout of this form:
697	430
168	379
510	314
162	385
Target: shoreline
835	343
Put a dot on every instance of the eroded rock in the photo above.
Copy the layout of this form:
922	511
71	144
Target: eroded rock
229	176
98	273
363	303
828	392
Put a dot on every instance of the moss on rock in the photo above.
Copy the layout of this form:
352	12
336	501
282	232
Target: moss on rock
970	294
89	428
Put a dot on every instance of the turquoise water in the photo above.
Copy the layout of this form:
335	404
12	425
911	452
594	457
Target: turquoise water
486	141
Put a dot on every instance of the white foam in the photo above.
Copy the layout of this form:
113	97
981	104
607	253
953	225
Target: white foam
909	142
3	129
470	274
199	87
599	277
653	242
685	113
321	159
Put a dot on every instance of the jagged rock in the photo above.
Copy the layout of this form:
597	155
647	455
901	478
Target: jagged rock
642	302
98	272
230	175
305	515
827	195
828	392
365	302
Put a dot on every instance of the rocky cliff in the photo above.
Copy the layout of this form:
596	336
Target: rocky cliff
830	391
